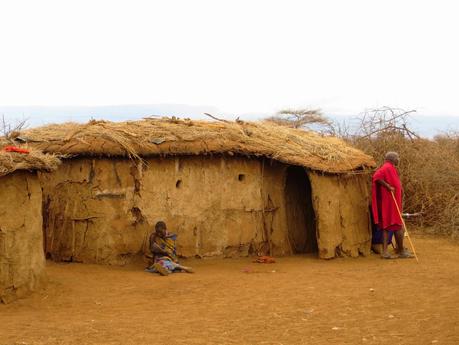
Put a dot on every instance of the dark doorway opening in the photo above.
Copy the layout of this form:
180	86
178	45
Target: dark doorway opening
300	211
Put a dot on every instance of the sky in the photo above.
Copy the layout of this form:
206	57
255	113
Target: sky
233	57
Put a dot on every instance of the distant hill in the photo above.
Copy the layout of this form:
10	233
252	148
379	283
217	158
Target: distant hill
425	125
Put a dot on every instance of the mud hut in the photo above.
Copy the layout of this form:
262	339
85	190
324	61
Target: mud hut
21	238
226	188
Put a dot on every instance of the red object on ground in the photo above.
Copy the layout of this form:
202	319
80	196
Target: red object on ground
15	149
265	260
385	212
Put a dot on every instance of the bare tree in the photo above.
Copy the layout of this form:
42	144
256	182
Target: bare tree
385	120
300	118
11	130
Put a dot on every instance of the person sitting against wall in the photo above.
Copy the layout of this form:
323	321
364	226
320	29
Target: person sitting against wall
163	249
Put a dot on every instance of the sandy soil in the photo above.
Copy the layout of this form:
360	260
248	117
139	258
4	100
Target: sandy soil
298	300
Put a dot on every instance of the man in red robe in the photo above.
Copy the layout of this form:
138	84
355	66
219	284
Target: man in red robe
385	214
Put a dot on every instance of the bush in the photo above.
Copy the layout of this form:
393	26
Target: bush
429	169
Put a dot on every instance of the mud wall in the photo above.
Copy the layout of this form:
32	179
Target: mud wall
22	260
341	209
102	210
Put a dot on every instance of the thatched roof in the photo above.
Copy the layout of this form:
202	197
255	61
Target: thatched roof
35	160
165	137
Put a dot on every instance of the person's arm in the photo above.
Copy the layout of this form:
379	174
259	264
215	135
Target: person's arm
386	185
154	247
157	249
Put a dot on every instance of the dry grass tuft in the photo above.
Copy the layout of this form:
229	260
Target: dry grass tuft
35	160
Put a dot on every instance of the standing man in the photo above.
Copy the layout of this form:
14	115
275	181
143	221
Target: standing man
385	214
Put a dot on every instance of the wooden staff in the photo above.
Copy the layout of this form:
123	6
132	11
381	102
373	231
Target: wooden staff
404	225
265	228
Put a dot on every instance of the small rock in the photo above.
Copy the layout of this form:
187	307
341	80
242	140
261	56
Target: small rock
391	316
434	341
372	290
335	328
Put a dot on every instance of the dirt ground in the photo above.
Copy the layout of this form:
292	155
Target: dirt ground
298	300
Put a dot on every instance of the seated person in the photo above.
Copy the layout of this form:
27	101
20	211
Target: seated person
162	246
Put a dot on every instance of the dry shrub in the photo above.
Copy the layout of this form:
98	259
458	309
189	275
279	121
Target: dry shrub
429	170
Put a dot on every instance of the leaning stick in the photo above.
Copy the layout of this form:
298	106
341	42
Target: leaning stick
266	230
404	225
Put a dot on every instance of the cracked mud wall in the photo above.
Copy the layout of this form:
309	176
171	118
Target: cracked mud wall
275	212
22	260
341	208
102	210
89	211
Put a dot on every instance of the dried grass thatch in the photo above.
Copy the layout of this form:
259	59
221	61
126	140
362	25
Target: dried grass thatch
35	160
164	137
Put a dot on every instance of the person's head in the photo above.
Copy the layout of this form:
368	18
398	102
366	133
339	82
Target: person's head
392	157
161	229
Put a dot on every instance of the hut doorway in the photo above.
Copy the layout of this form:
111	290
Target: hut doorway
300	211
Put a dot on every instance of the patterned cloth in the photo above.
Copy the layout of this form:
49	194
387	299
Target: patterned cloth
169	261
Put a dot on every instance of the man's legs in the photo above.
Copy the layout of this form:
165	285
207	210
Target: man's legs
385	254
399	234
385	238
401	251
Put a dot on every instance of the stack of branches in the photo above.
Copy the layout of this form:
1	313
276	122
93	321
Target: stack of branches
10	129
429	169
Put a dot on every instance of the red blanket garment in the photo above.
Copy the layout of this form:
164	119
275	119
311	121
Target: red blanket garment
385	212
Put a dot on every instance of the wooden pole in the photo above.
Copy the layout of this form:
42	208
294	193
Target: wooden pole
404	225
265	228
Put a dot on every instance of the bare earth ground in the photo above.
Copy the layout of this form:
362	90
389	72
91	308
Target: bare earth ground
298	300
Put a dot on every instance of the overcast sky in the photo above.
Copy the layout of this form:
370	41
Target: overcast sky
237	56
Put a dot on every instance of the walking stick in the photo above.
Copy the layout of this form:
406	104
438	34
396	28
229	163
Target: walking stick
404	225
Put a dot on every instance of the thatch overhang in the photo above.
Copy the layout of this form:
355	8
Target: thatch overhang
168	137
33	161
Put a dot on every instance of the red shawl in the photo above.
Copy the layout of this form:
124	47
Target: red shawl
385	212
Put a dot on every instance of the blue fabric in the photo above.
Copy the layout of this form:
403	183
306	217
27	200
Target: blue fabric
166	263
377	235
